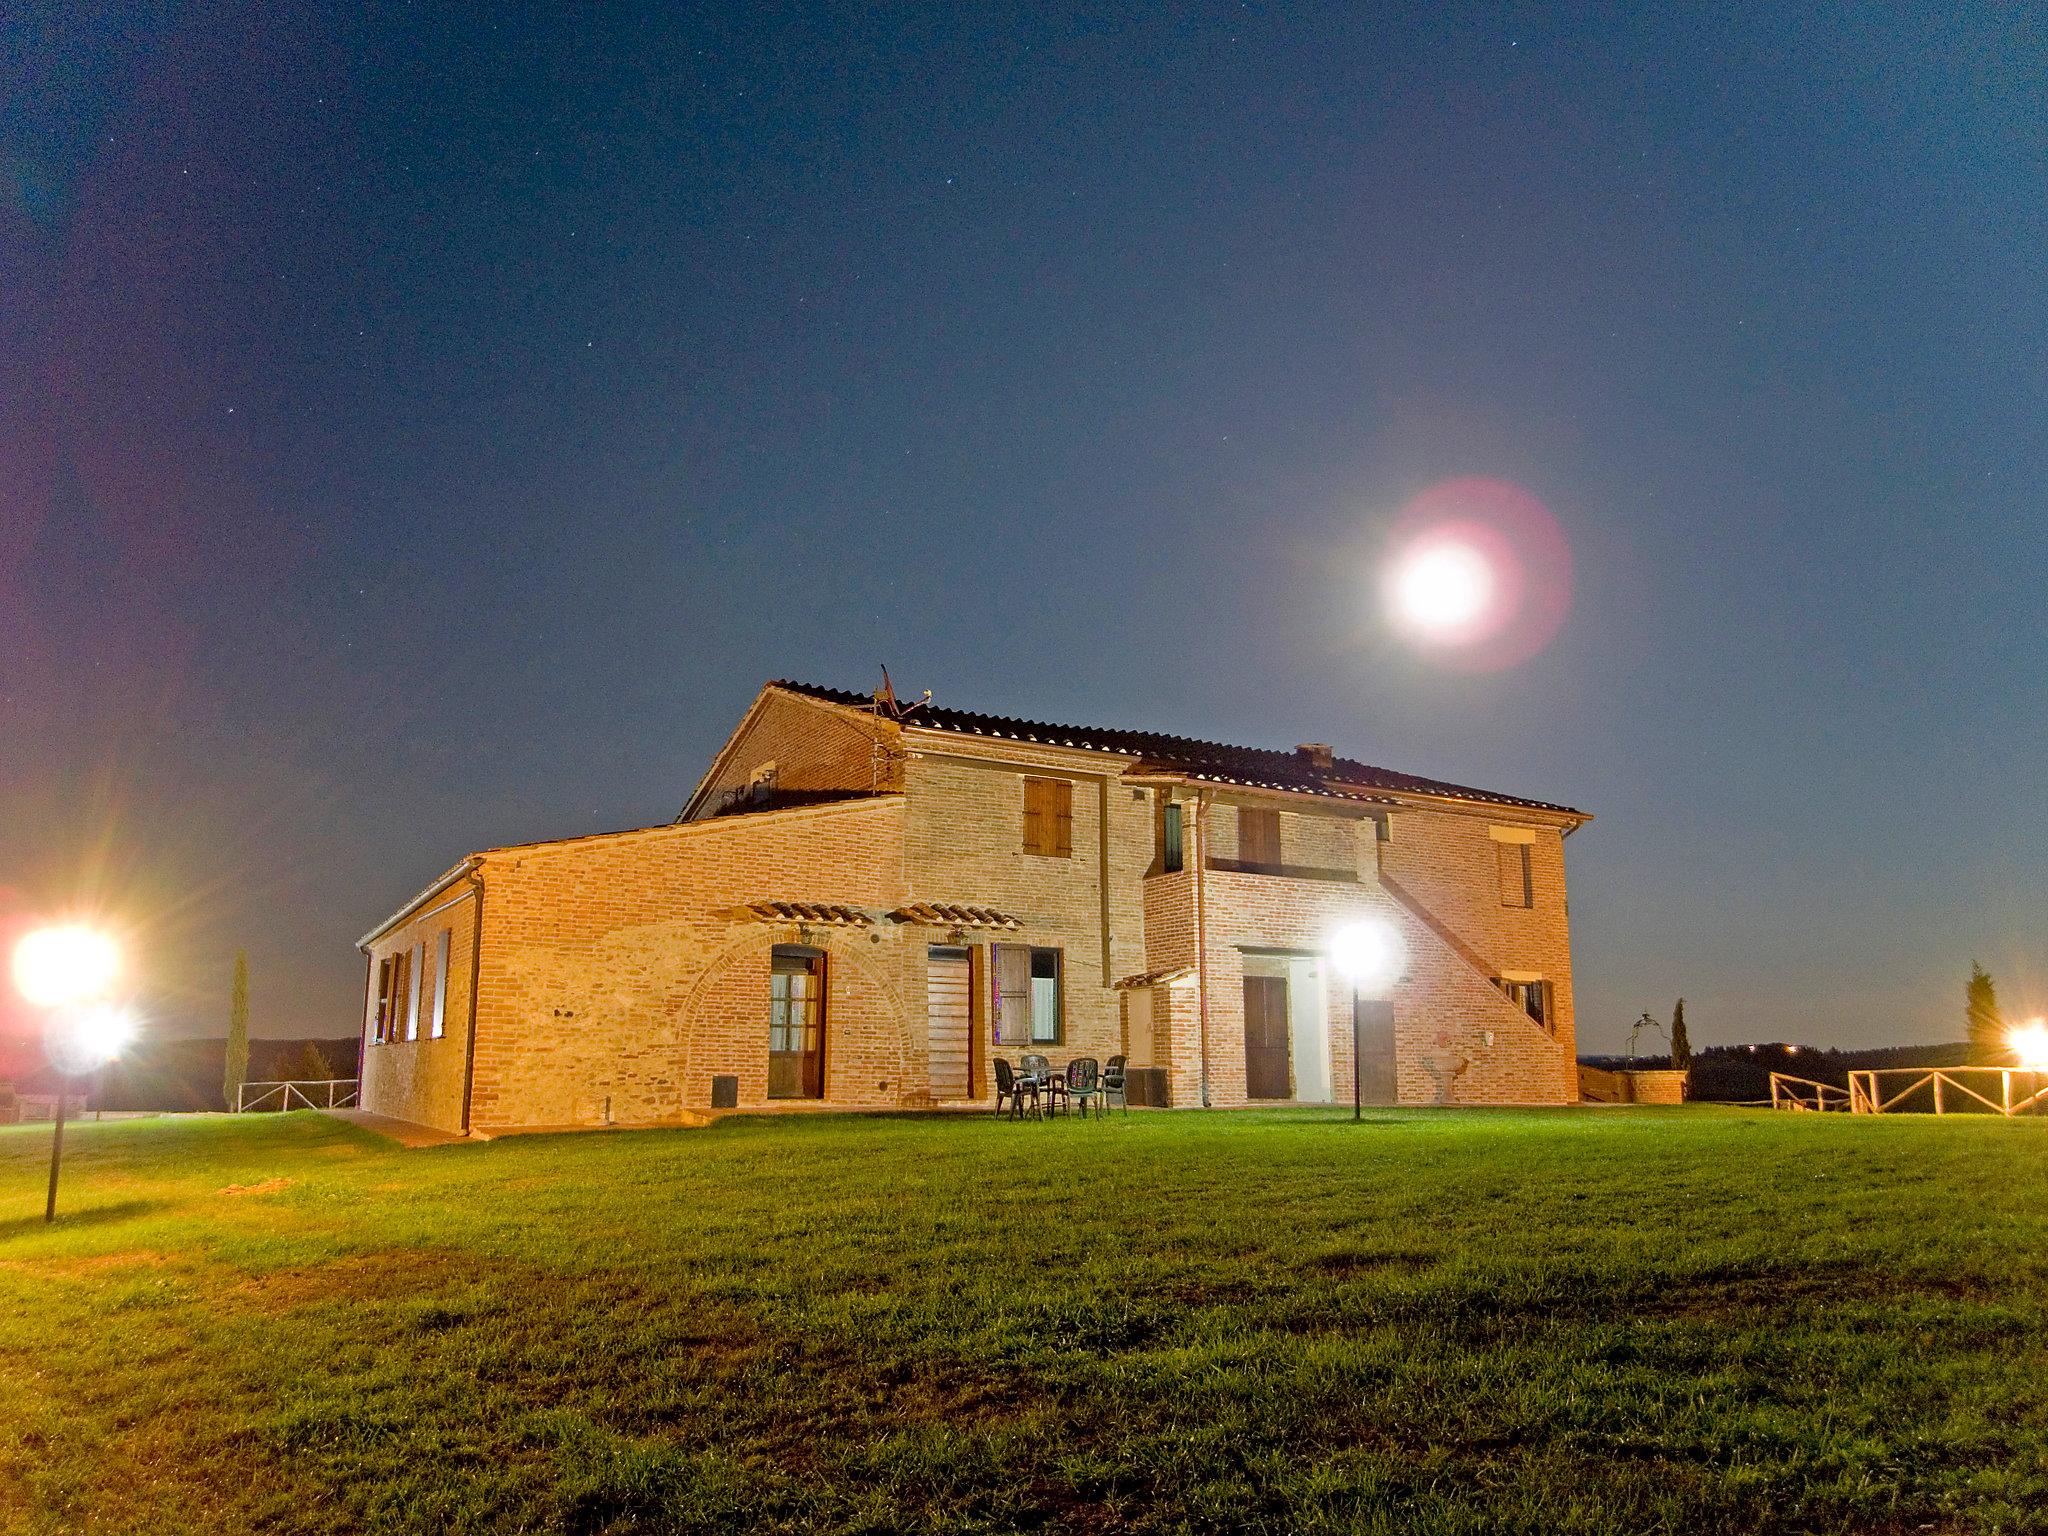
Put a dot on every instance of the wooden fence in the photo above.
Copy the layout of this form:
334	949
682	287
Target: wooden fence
301	1093
1877	1091
1804	1093
1872	1091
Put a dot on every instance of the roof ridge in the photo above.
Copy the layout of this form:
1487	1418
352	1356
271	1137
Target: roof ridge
1197	756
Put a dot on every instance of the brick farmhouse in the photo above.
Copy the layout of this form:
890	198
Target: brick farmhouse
864	905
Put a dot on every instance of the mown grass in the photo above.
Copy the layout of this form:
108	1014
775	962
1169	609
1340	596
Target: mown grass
1697	1320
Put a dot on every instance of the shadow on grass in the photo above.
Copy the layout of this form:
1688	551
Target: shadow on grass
87	1216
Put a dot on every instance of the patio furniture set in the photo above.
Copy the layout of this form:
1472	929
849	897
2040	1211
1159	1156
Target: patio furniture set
1084	1082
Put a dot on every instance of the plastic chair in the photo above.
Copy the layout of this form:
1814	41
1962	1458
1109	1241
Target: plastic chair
1016	1089
1113	1084
1084	1081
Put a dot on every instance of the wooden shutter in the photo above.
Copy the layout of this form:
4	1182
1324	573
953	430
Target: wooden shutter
1171	855
1258	837
1514	875
1012	991
382	1022
1049	817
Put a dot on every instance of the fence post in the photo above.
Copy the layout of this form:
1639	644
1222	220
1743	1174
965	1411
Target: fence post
1937	1095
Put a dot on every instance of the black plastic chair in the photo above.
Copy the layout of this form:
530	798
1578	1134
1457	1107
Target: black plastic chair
1113	1084
1084	1081
1016	1089
1039	1070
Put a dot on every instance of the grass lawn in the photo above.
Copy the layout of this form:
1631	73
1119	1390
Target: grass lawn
1676	1320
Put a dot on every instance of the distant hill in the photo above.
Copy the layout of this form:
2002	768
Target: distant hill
186	1074
1740	1074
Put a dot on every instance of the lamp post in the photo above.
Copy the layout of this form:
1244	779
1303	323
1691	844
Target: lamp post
65	970
1368	955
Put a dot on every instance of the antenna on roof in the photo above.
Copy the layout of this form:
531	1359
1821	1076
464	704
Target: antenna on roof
886	702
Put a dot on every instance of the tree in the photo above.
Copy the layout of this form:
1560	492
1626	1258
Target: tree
1681	1047
1986	1024
237	1064
308	1064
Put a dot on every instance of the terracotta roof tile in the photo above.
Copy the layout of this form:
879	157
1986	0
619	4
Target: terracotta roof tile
1258	767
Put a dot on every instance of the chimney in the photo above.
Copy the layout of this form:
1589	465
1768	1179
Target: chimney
1317	755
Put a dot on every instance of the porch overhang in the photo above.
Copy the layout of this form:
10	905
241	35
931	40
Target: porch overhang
931	914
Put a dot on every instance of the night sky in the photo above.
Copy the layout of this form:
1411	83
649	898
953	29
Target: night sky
422	433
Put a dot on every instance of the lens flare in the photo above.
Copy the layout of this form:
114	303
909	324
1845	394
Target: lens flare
84	1039
2029	1042
1478	573
57	966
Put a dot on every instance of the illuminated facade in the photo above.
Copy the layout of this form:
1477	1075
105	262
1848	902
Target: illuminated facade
862	906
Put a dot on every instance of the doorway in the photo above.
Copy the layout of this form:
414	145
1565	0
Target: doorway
1266	1031
949	1003
796	1023
1376	1080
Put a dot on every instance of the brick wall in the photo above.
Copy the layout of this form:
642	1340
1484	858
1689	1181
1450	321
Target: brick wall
620	973
1443	863
421	1079
964	845
816	748
1457	1038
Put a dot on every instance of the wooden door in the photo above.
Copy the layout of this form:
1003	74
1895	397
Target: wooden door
796	1024
1265	1038
1375	1044
948	1012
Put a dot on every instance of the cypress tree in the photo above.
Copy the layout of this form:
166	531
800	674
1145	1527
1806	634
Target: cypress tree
1681	1046
1988	1043
237	1064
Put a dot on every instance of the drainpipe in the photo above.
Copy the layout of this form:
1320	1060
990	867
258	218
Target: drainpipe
1202	931
476	956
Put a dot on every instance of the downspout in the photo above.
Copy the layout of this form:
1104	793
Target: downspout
1201	931
476	957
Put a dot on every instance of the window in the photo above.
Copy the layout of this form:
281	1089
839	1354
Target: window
380	1021
1516	887
796	1023
1170	852
416	962
1027	1001
392	976
1532	997
439	1026
1258	838
1049	817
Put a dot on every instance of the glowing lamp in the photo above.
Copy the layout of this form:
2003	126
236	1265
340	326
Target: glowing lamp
2029	1042
85	1039
1368	954
56	967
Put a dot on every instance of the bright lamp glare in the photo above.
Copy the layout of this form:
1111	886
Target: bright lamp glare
1368	953
2029	1043
71	964
1443	587
86	1039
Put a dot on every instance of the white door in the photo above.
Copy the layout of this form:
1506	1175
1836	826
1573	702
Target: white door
1138	1027
1309	1009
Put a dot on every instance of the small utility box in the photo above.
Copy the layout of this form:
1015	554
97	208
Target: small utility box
725	1090
1145	1086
